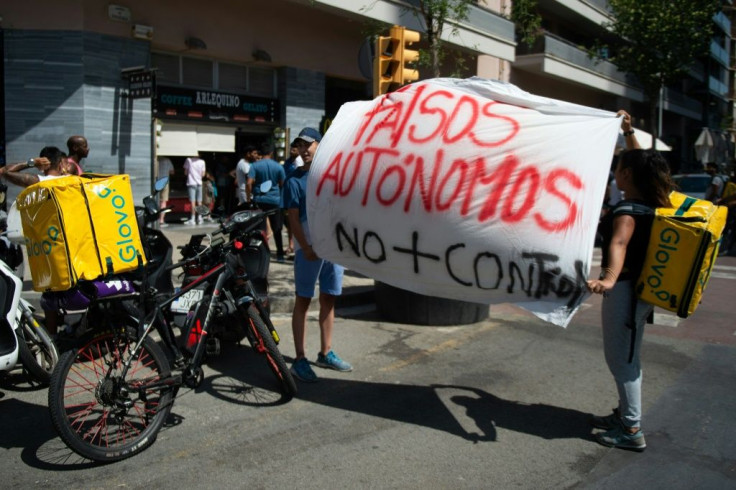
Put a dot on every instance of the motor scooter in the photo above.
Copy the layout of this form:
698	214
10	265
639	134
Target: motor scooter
22	337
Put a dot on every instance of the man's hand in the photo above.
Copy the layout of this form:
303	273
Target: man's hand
42	163
626	121
309	253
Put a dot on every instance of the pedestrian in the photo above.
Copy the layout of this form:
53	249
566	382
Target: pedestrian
78	149
250	155
308	268
290	165
265	171
51	162
224	182
715	187
194	169
643	176
165	169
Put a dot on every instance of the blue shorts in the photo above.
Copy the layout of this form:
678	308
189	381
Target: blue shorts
306	273
195	193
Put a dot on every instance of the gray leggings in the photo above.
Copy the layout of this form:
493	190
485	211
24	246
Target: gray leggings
617	339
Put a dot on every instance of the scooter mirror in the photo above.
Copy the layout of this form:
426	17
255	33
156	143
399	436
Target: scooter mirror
265	187
160	184
202	210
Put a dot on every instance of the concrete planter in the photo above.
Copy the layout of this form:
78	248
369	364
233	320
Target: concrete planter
401	306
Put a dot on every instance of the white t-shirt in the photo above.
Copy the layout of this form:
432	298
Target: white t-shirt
195	169
42	177
241	173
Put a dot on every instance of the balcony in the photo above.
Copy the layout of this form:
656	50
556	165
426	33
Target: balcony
680	103
723	22
483	32
718	53
553	56
593	11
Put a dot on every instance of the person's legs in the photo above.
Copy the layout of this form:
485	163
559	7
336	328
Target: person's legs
299	325
305	279
275	220
617	338
192	193
306	273
330	287
198	199
163	199
326	321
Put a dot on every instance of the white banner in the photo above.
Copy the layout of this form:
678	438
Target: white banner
465	189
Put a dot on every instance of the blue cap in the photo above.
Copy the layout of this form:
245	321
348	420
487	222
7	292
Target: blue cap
309	135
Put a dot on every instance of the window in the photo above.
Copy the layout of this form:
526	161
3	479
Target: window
233	77
167	68
172	69
261	81
197	72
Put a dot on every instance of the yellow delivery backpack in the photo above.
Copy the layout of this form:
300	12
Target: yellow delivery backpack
683	246
79	228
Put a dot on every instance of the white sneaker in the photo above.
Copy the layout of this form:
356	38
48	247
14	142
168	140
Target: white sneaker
190	222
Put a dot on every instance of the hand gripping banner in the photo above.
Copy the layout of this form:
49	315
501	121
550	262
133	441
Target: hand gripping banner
465	189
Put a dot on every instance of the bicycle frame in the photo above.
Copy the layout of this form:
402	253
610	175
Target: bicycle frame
191	369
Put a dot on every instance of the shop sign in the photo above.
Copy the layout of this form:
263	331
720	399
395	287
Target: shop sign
184	103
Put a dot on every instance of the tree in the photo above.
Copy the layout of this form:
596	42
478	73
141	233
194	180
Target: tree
659	41
434	14
527	20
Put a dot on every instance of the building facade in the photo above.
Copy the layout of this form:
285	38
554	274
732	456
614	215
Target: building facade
143	79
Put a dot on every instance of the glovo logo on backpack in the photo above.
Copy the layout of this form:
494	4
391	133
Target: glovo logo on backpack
116	228
124	222
665	248
683	246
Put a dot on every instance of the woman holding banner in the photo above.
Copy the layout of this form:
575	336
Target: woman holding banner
643	176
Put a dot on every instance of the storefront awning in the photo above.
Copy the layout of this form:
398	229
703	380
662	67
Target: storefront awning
186	140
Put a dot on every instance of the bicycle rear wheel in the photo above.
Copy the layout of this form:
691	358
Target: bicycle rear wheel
263	343
101	415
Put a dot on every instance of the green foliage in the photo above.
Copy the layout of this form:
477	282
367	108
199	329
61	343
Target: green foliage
661	38
527	20
434	14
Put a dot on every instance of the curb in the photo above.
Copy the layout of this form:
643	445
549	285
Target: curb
352	296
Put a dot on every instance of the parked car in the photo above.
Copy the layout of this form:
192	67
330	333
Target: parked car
693	185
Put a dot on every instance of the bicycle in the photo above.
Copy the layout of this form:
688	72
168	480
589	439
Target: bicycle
109	398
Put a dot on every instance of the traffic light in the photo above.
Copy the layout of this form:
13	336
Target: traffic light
390	69
382	66
402	37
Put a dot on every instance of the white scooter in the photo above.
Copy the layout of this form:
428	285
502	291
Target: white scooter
22	337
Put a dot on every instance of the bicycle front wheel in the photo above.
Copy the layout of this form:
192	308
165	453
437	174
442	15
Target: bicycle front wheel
263	343
37	350
100	414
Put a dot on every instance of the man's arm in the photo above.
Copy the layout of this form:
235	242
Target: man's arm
249	187
14	176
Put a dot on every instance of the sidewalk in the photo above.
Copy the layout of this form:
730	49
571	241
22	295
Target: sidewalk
357	289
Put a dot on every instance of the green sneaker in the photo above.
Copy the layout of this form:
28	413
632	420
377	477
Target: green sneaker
620	438
332	361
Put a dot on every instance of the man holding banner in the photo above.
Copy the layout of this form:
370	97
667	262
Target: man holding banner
308	268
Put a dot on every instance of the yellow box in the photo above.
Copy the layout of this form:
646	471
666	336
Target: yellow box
79	228
683	246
